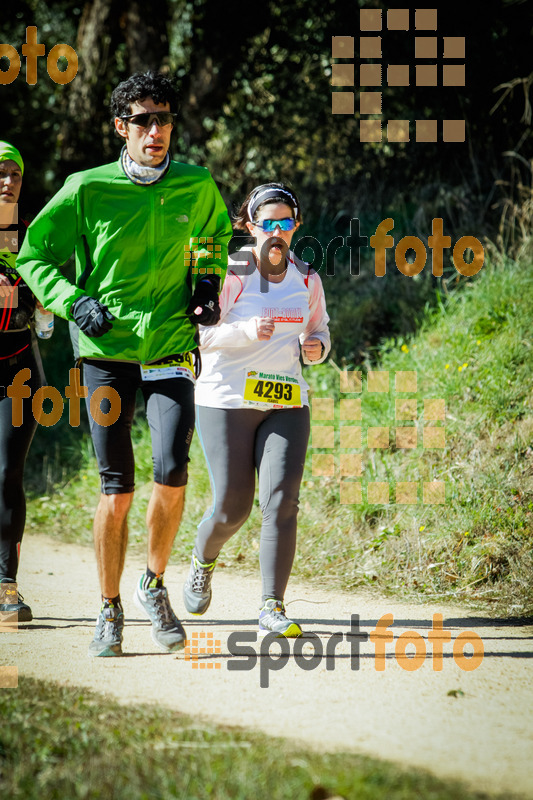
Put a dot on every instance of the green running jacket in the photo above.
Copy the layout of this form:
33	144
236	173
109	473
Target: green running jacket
132	248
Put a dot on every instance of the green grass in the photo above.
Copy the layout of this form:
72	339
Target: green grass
475	352
57	742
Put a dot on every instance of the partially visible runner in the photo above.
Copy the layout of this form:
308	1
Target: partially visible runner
252	406
18	350
130	224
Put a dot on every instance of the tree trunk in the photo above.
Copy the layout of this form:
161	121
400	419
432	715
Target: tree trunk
113	42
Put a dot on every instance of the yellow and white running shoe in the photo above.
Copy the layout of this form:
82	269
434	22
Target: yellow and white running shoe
272	619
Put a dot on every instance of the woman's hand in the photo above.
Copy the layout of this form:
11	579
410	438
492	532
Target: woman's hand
265	328
6	287
312	349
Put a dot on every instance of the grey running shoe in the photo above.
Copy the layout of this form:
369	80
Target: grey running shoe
197	587
272	619
12	605
108	634
167	631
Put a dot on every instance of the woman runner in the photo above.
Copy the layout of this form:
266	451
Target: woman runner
252	405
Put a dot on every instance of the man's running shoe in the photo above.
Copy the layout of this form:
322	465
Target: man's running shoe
197	587
108	634
12	605
167	630
272	619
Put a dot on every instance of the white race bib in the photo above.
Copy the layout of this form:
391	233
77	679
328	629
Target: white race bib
181	366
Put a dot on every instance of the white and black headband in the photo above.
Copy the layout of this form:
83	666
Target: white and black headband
272	193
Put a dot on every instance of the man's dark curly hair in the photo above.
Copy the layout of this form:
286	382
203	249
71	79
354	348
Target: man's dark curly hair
140	86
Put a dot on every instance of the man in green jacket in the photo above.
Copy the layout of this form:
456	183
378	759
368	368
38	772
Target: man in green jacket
135	303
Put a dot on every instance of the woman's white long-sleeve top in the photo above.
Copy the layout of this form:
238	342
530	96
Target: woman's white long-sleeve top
231	350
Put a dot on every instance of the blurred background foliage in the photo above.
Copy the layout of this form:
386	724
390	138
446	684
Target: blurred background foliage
256	106
255	82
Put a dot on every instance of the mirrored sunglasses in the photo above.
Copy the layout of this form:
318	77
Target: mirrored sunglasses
270	225
161	118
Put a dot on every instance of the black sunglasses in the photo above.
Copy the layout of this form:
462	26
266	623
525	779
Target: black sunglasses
161	118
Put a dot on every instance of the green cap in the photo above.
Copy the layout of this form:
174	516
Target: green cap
8	152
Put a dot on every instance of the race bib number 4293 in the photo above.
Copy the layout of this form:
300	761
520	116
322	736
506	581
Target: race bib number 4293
271	390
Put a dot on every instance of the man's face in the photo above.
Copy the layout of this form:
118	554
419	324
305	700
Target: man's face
147	146
10	181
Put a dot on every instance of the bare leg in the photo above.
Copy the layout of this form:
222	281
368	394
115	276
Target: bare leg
163	518
110	540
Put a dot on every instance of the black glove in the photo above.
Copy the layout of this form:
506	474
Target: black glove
91	317
205	296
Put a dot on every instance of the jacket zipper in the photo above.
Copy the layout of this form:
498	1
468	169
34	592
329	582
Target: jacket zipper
151	281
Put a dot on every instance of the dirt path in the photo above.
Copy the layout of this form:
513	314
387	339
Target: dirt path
483	736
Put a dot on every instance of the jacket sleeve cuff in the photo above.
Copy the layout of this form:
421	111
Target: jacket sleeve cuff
250	328
326	347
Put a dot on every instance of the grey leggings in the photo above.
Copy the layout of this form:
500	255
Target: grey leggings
236	443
